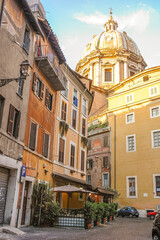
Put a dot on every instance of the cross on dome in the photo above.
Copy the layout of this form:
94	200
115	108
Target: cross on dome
111	24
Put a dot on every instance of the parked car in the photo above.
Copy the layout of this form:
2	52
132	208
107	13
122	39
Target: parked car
128	211
156	227
151	215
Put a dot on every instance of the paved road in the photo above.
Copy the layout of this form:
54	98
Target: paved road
119	229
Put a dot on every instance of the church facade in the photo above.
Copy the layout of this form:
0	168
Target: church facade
132	110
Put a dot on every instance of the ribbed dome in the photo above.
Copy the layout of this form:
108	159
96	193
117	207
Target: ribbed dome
111	40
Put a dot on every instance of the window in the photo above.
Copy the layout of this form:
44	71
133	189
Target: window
83	126
89	164
26	41
132	187
89	179
75	97
89	144
156	139
20	85
84	107
156	181
155	112
82	160
105	180
105	141
105	162
131	145
45	145
130	118
33	136
13	121
2	99
129	98
74	118
65	92
81	197
48	99
72	155
153	91
63	110
61	150
37	86
108	75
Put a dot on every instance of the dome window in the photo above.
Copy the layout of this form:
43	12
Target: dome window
108	75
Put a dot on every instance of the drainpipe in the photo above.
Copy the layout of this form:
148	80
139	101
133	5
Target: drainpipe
114	151
1	13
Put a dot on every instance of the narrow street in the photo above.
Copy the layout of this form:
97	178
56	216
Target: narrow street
119	229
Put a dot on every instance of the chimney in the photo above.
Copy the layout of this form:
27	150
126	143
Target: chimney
37	8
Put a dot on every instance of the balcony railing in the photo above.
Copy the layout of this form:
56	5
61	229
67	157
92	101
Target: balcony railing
44	53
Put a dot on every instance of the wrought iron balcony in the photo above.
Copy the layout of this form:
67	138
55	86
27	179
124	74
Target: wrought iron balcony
48	64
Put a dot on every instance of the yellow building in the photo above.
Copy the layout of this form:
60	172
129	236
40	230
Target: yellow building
70	146
114	63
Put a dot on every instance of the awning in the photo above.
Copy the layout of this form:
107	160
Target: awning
103	191
69	189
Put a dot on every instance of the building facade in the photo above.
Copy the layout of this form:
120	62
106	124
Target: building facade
17	35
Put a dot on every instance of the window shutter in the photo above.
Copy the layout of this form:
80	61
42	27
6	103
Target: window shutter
45	145
42	91
72	155
47	97
10	119
32	141
17	124
83	127
34	82
82	160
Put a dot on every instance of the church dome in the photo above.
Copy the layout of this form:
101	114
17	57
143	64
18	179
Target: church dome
111	40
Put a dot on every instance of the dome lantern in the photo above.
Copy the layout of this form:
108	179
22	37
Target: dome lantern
111	24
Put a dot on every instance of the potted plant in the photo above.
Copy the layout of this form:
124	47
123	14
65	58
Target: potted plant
88	214
63	127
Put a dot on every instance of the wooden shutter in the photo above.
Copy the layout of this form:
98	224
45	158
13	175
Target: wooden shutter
34	82
72	155
32	141
47	97
10	119
74	118
82	160
17	124
63	111
83	127
45	145
42	91
61	150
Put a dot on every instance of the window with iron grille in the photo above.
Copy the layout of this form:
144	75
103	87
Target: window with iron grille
2	99
26	42
74	118
130	118
156	138
13	121
83	126
132	186
72	155
33	136
131	145
63	110
82	160
61	150
155	112
45	145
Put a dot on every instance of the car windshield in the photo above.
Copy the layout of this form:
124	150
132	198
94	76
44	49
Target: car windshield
133	208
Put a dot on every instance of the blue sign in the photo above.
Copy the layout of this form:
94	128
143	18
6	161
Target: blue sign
23	171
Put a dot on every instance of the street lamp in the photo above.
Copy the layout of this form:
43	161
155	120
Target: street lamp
25	69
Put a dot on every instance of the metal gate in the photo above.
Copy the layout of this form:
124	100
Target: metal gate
3	191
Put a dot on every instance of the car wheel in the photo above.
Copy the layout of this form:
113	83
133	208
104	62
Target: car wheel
152	217
122	215
136	216
155	237
130	215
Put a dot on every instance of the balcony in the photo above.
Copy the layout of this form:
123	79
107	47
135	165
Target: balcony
48	64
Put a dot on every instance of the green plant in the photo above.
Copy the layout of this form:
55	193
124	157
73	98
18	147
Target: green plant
63	127
84	140
45	210
98	125
89	212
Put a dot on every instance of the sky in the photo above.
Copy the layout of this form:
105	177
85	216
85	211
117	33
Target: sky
76	21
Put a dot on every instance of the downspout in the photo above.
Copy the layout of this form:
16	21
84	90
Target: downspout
115	152
1	13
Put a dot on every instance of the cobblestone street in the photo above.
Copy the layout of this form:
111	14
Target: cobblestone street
119	229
